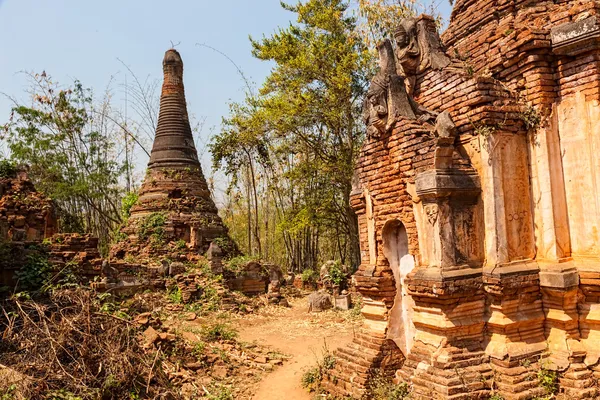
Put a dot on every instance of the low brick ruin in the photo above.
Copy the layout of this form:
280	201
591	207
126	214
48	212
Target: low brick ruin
477	197
28	226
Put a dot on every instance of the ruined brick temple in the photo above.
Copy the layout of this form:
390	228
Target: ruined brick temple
174	206
478	198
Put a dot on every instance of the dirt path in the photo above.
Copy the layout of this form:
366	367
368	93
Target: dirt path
297	334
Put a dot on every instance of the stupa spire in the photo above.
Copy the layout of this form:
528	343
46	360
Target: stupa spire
173	143
174	203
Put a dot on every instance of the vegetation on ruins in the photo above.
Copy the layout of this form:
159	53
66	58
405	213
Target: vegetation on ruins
309	276
152	227
236	264
336	273
127	202
68	142
548	379
8	169
382	388
311	379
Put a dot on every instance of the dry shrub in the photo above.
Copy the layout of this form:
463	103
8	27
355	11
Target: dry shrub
63	343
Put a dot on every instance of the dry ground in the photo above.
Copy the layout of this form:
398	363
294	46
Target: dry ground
298	334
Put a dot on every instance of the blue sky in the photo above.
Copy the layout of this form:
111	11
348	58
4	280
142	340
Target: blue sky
74	39
83	39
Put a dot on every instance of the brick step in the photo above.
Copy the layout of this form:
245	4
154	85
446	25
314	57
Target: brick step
363	350
587	393
366	355
431	390
459	364
349	377
344	358
515	379
530	394
581	383
478	394
346	366
517	387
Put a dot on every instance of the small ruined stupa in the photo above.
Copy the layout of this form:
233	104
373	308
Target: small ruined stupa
174	208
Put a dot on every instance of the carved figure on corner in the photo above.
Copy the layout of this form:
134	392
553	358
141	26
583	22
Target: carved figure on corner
387	98
376	108
419	47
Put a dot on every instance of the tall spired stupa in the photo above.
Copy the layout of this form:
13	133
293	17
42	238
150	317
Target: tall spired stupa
174	205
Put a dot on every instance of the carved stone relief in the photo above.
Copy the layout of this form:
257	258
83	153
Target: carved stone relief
419	48
431	211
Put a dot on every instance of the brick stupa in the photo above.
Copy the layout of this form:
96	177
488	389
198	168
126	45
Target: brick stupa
174	205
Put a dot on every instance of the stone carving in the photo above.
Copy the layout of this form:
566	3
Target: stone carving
431	210
576	37
387	98
385	95
110	274
419	48
444	126
319	301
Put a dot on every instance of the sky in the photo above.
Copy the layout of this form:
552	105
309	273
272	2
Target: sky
85	39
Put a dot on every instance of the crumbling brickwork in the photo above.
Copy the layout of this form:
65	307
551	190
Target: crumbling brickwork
25	214
28	226
79	251
478	202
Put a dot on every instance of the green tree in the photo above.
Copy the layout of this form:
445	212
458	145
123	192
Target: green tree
69	145
303	130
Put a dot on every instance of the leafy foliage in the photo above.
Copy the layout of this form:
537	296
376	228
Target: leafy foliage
532	118
309	276
127	202
219	392
337	274
382	388
311	379
295	141
8	169
218	331
152	226
69	145
236	264
36	273
548	380
174	295
8	393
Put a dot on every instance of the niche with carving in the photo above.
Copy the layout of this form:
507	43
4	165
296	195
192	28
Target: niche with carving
395	248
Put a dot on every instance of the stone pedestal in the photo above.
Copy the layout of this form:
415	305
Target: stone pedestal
448	359
515	339
370	350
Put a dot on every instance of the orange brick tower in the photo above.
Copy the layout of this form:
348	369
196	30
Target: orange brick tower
174	205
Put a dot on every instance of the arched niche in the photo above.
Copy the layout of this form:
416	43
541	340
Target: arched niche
395	248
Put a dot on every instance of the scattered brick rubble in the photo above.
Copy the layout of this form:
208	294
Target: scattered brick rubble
197	361
478	207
